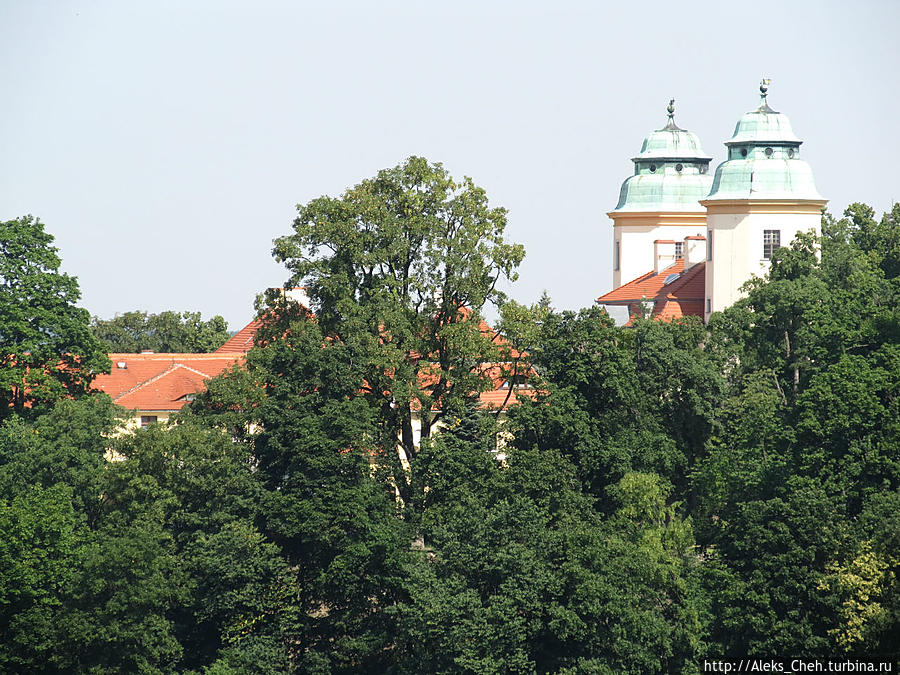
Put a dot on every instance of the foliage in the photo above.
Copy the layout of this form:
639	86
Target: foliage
184	332
398	270
518	572
675	492
332	518
47	351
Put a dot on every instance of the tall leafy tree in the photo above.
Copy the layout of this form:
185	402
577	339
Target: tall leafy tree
47	350
398	269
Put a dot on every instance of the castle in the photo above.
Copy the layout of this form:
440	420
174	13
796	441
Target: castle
684	242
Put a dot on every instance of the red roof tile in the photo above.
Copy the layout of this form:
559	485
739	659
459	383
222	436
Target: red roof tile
160	381
682	296
242	341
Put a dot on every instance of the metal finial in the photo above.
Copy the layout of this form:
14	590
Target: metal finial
670	125
763	92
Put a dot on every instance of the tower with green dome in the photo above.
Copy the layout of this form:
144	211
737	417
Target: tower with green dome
659	205
762	196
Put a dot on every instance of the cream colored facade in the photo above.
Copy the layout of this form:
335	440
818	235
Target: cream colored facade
737	231
762	196
635	233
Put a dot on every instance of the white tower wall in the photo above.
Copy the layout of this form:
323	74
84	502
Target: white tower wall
737	247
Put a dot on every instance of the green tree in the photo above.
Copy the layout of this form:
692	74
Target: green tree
615	401
184	332
398	270
518	572
324	501
40	540
804	452
47	351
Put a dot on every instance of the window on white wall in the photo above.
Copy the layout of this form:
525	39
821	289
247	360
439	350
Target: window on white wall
709	244
679	249
771	241
616	260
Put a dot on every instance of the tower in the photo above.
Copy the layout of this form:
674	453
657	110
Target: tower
659	205
762	195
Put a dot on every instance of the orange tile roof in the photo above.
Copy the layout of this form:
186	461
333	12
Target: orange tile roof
242	341
160	381
681	297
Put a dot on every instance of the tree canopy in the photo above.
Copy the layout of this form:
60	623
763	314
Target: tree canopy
674	493
183	332
47	350
398	270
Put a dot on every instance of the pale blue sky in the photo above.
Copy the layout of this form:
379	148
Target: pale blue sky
165	144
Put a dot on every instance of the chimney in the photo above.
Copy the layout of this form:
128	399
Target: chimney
694	251
298	294
663	254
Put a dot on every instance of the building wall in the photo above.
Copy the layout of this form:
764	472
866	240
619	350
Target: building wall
736	229
635	233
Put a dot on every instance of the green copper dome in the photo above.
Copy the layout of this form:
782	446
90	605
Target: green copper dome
764	159
671	173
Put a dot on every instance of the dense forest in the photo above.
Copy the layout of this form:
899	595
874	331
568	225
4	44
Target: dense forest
673	493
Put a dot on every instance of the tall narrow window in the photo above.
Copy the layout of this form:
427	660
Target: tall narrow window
617	254
679	250
771	241
709	244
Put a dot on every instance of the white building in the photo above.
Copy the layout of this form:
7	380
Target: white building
671	215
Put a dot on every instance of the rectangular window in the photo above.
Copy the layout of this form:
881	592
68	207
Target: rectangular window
147	420
708	306
679	250
771	241
616	257
709	244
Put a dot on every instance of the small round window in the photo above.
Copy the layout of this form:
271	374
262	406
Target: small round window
743	152
678	168
653	168
791	153
768	152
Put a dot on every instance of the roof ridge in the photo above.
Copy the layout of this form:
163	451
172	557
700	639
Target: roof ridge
148	381
168	371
